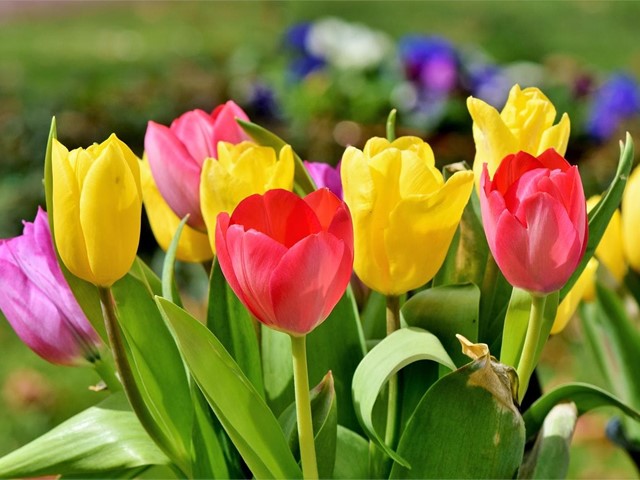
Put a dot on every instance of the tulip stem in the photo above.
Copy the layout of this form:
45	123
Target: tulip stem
303	408
526	365
108	375
393	324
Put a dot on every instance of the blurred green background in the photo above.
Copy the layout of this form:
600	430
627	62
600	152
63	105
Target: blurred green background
103	67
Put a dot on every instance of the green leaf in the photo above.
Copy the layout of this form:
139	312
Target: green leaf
234	327
352	455
466	426
397	350
549	457
324	414
241	410
169	290
601	214
103	438
148	277
374	316
445	311
585	396
157	366
261	135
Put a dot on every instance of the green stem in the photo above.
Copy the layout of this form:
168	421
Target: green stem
303	408
526	365
391	125
393	324
108	375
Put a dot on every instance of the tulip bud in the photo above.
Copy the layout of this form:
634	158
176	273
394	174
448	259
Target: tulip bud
241	170
97	202
289	260
324	175
37	301
404	214
534	216
524	124
631	220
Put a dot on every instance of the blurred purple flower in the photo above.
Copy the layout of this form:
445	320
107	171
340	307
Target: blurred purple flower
324	175
262	101
303	62
616	100
430	62
490	84
37	301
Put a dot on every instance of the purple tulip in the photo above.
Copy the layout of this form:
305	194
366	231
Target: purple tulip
37	301
324	175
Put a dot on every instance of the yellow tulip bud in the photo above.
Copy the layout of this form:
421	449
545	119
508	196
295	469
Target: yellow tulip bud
524	124
631	220
404	214
610	250
583	289
193	245
241	170
97	202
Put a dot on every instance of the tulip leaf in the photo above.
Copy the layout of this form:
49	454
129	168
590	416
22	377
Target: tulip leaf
445	311
264	137
549	457
336	345
585	396
352	455
239	407
324	415
394	352
466	426
169	290
148	277
161	378
601	214
104	438
234	327
374	316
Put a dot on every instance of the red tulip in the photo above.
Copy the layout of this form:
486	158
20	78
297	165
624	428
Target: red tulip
288	259
534	215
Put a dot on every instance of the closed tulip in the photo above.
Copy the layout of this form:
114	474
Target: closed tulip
176	154
37	302
241	170
404	214
631	220
534	216
524	124
288	259
97	202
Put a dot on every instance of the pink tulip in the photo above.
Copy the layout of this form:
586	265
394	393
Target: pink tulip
176	154
288	259
534	215
324	175
37	302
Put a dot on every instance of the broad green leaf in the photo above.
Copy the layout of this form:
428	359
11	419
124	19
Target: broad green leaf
103	438
157	366
549	457
397	350
241	410
445	311
324	414
374	316
261	135
601	214
585	396
234	327
114	474
352	455
466	426
495	293
143	272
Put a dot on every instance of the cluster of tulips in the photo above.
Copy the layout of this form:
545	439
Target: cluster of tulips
286	243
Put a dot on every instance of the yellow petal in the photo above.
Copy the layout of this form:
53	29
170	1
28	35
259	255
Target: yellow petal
580	290
610	250
631	220
556	137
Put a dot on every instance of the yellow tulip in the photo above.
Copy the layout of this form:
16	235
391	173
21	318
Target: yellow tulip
404	214
631	220
610	250
524	124
193	245
97	202
241	170
583	289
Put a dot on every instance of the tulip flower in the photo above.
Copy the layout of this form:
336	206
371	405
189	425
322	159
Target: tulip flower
37	301
97	202
325	175
610	251
241	170
193	245
583	289
534	215
176	154
524	124
631	220
400	204
288	259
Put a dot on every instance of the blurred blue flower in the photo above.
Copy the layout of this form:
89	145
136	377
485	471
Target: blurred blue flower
616	100
295	37
262	101
303	62
429	62
490	83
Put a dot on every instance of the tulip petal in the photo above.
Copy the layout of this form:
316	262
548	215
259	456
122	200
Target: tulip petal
556	137
332	213
226	129
194	129
631	219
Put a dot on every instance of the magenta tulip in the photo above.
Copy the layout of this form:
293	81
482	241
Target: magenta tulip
176	154
534	215
36	299
288	259
325	175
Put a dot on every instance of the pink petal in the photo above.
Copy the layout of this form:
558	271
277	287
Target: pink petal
195	131
226	129
553	160
224	257
511	169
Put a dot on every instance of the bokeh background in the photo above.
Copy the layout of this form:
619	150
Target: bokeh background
320	74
